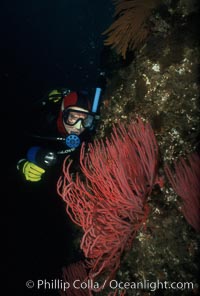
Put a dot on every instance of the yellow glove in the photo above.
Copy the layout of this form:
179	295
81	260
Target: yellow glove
32	172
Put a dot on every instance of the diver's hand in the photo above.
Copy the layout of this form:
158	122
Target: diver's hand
32	172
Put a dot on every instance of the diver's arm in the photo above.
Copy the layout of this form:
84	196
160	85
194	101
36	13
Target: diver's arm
36	163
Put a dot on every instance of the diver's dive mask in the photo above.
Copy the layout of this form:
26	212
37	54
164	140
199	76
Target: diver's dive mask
72	116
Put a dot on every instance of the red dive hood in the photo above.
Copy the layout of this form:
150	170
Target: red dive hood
74	99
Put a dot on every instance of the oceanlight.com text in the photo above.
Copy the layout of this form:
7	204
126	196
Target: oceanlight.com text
151	286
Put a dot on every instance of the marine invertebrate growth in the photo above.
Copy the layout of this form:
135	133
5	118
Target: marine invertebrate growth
111	203
129	28
185	182
74	274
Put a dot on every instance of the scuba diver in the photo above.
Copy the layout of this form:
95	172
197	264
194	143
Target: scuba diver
70	117
54	127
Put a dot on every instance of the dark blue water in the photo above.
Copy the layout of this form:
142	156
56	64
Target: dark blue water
44	45
48	44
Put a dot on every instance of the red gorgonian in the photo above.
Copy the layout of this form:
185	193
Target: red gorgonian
108	199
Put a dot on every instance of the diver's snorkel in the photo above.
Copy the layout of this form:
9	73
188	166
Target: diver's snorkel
96	99
72	140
